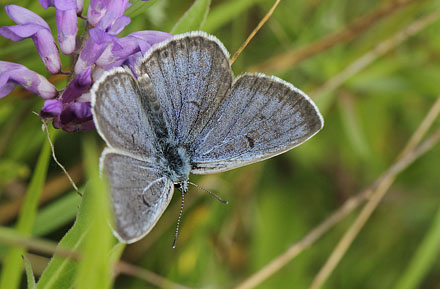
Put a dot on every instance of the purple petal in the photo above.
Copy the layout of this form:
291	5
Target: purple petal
149	38
22	15
77	86
132	62
113	11
19	32
51	108
97	73
32	25
6	86
118	51
67	28
48	50
67	21
12	74
93	48
65	5
119	25
46	3
85	97
138	41
79	6
96	11
75	117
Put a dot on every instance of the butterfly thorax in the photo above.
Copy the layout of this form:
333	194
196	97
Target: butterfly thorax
176	163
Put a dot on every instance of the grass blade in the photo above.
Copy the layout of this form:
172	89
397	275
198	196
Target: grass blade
424	258
57	214
29	274
138	6
12	264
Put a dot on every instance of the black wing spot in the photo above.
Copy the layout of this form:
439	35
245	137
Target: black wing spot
250	141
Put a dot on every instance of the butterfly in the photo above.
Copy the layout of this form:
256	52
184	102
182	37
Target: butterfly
184	112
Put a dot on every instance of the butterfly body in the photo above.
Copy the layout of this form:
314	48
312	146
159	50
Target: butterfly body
185	113
177	165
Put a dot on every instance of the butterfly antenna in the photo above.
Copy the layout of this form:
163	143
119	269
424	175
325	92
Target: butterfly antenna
178	219
212	194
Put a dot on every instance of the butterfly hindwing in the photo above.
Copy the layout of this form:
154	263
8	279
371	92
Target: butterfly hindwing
140	194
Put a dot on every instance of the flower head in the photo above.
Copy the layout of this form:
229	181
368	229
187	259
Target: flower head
101	50
75	117
32	25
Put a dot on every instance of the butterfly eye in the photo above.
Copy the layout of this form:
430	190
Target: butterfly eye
116	81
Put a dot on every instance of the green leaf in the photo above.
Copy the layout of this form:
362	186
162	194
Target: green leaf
353	129
60	272
29	274
12	264
57	214
193	18
226	12
138	6
425	258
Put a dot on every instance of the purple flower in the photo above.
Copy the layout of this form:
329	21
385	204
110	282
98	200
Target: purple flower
32	25
70	110
67	29
12	74
75	117
77	86
93	49
79	6
104	14
51	108
67	20
117	53
60	4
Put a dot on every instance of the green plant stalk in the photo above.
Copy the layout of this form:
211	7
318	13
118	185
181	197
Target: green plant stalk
424	258
95	266
13	262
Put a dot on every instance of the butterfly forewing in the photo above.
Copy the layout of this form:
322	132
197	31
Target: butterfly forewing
120	116
140	194
191	76
261	117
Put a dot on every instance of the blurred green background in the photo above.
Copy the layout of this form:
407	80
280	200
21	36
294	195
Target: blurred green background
369	117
